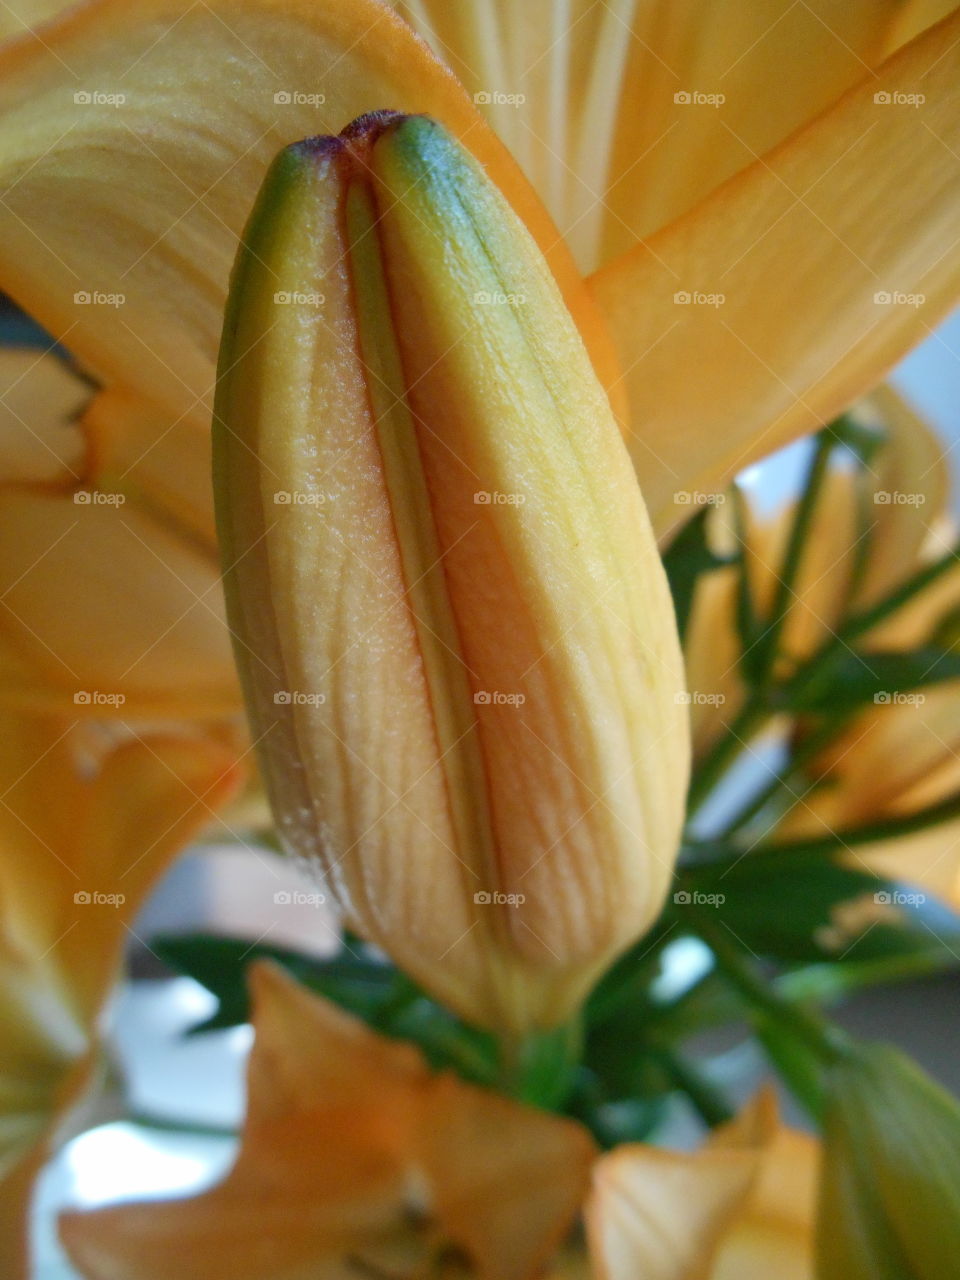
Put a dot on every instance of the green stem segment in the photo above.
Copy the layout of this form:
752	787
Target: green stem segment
803	1044
793	557
710	1103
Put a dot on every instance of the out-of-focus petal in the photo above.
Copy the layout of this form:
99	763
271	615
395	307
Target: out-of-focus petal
354	1154
741	1208
89	817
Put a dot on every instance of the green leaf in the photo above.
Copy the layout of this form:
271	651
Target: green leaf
850	679
687	557
356	979
356	982
778	907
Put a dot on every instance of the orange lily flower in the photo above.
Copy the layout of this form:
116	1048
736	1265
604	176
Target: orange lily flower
356	1158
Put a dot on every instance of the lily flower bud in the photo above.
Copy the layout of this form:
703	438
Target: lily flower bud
455	636
891	1172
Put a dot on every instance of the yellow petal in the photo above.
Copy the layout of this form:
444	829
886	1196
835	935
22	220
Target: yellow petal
164	466
41	399
456	638
911	483
23	19
352	1150
660	1214
824	579
859	204
741	1208
110	611
136	285
87	822
892	761
585	94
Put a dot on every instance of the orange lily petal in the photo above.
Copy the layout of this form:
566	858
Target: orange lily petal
87	821
859	205
911	484
109	611
41	400
136	285
590	97
352	1150
741	1208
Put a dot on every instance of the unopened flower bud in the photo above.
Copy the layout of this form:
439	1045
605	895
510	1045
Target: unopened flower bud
454	632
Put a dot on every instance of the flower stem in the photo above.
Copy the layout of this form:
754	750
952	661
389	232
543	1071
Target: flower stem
709	1102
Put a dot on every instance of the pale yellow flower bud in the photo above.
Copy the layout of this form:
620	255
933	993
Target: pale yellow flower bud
454	632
